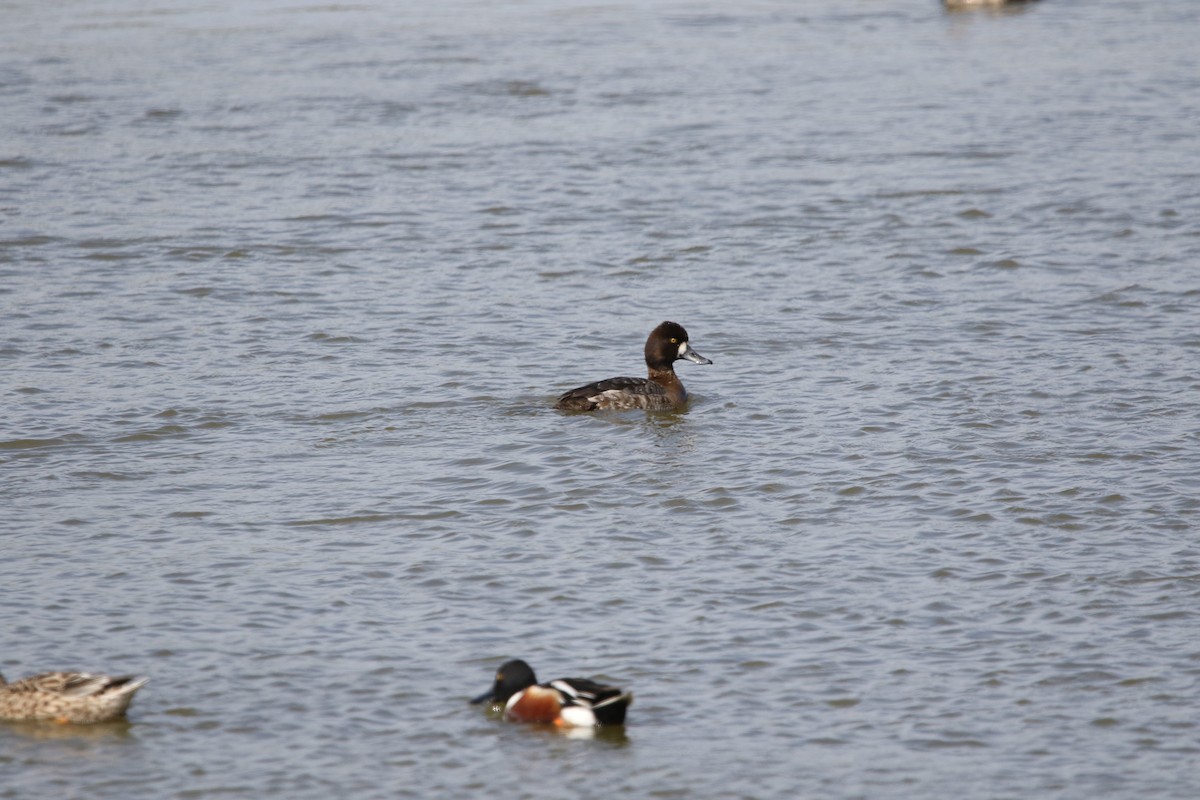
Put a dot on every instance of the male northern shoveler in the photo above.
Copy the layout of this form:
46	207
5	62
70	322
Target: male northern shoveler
567	701
662	390
69	697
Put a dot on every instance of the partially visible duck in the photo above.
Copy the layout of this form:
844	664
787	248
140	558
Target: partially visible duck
566	702
956	4
68	697
662	390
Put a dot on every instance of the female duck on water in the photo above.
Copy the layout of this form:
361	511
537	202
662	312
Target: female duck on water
68	697
660	391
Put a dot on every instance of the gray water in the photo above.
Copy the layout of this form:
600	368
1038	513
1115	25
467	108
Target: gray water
288	291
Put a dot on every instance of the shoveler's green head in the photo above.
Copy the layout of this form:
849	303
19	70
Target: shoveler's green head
512	677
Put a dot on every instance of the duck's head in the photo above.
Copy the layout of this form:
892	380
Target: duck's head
512	677
667	344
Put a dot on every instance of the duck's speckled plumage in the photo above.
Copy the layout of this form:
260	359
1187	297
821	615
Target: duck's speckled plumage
569	702
74	697
958	4
662	390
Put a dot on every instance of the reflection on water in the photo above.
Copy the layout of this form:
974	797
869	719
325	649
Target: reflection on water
992	7
117	730
613	735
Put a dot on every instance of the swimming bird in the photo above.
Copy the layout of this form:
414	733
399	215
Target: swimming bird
566	702
958	4
68	697
661	390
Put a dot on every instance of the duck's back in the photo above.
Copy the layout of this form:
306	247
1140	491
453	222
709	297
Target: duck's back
76	697
607	704
618	394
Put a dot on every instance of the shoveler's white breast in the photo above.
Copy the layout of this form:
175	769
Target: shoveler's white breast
577	716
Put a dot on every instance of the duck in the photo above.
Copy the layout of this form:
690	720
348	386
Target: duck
565	702
78	698
662	390
961	4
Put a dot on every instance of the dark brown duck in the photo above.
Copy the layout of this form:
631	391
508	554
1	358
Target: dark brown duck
662	390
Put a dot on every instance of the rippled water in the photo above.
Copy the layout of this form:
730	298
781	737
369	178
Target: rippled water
288	291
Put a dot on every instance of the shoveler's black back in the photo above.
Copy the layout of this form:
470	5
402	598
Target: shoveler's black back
608	703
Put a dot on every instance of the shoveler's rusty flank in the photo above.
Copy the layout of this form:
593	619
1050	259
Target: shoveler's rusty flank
78	698
569	702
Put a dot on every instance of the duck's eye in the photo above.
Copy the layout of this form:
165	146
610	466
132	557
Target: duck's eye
674	340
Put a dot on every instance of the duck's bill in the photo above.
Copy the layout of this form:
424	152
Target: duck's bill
488	695
691	355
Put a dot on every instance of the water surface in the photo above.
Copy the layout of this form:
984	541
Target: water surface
288	291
